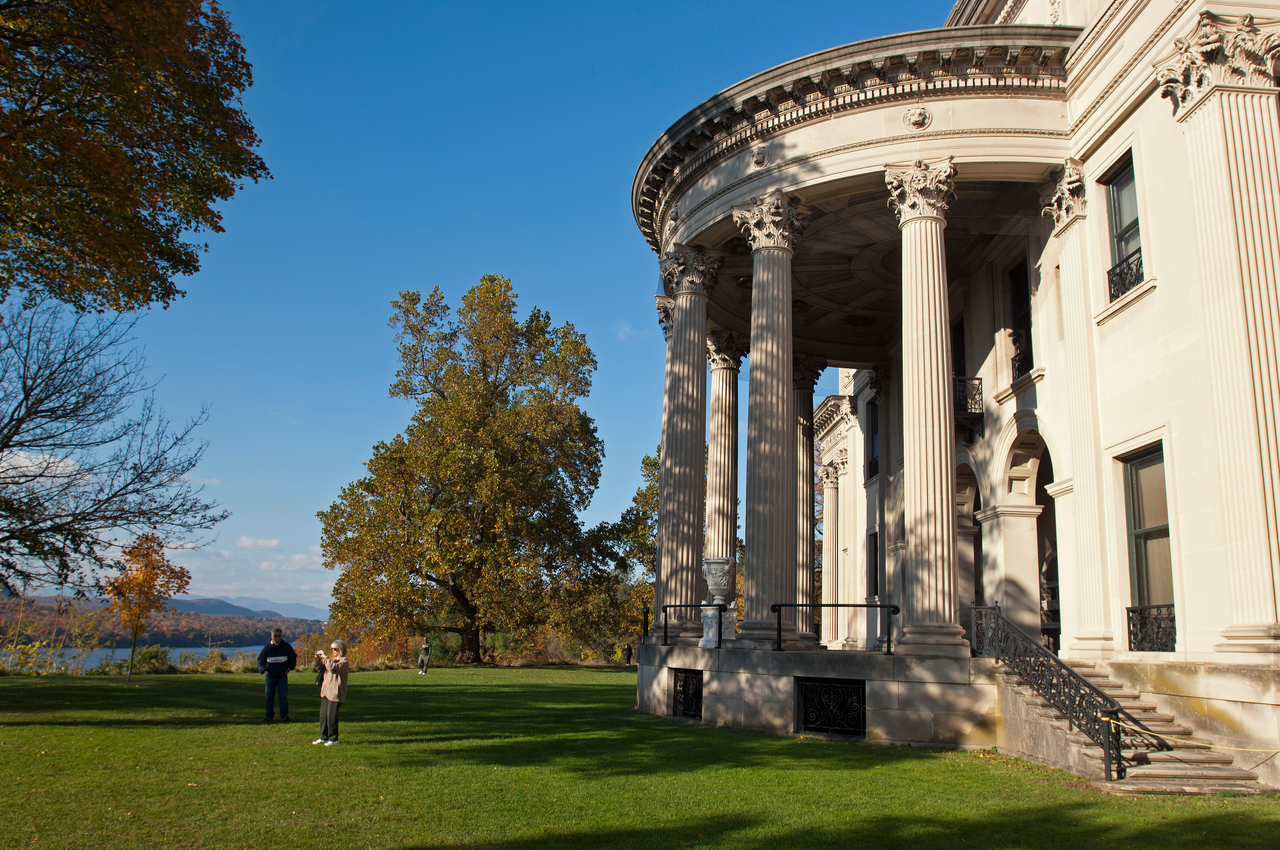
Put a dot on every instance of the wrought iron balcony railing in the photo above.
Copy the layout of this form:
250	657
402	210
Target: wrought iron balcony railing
968	402
1125	275
1083	704
1152	629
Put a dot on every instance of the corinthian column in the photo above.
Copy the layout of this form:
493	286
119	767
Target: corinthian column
919	196
772	225
665	305
830	550
805	372
725	351
1223	87
1085	610
688	276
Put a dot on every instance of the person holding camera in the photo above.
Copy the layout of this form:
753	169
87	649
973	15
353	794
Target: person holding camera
333	690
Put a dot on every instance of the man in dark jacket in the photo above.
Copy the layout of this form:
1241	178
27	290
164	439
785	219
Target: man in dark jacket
276	660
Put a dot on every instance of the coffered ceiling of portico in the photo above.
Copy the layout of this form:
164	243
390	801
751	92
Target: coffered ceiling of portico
847	270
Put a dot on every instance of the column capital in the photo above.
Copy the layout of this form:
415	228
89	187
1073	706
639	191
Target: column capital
1213	56
725	350
1066	202
920	191
830	474
665	304
771	220
805	370
689	271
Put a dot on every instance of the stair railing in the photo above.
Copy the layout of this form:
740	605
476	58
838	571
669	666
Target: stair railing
1085	706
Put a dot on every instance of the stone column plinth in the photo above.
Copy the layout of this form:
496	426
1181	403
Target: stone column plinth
1222	85
919	196
688	275
805	371
725	351
772	225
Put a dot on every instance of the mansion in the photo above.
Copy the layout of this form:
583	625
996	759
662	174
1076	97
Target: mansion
1041	244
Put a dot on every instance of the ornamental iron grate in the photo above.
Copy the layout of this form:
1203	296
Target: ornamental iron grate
1125	275
1082	703
967	396
687	687
1152	629
833	705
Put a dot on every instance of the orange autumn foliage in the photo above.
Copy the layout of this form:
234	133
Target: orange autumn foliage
146	583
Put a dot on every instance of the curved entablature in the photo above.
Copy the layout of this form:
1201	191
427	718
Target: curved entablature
1021	61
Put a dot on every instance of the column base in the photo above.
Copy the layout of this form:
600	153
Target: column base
1091	645
728	626
946	639
1263	638
763	634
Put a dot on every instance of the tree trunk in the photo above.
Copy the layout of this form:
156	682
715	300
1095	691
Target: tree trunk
129	676
469	649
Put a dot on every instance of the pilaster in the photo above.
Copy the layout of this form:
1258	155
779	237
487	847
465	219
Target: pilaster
805	373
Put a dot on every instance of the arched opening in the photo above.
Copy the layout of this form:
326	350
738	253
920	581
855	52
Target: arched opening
1047	550
969	590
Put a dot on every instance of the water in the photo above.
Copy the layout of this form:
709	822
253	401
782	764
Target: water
92	658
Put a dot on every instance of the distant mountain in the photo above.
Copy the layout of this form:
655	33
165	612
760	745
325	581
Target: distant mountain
197	605
271	609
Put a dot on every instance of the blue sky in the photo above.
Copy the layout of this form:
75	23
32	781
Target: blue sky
416	144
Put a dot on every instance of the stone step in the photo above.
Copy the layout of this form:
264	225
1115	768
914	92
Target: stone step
1080	740
1179	757
1143	787
1181	772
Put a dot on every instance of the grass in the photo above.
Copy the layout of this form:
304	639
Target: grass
521	758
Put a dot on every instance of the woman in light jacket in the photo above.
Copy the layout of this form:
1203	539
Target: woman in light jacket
333	690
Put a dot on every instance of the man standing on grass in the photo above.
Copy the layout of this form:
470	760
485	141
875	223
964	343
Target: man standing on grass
276	660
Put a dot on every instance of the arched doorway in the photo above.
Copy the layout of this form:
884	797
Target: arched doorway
969	590
1047	554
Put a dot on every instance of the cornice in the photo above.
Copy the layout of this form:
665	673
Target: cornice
998	60
834	410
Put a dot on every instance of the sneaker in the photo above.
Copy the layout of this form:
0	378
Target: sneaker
319	741
332	743
284	720
268	719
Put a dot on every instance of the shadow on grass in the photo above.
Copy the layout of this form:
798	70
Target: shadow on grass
1065	826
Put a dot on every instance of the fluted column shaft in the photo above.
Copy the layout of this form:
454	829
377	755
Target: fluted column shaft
806	371
931	622
665	305
688	276
830	551
771	225
724	352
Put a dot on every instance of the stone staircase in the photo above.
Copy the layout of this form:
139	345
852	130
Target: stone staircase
1191	766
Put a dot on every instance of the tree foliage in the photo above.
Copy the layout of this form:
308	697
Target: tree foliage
85	455
468	521
145	584
120	132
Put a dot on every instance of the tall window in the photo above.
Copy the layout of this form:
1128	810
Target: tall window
1151	620
1126	237
1020	298
873	439
873	564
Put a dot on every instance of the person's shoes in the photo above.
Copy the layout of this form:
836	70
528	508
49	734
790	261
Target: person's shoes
319	741
332	743
267	719
284	720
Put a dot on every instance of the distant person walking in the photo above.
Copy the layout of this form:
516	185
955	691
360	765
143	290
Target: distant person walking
424	658
333	690
276	660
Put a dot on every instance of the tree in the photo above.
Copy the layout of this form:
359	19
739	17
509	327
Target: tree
638	541
468	521
120	132
144	586
85	454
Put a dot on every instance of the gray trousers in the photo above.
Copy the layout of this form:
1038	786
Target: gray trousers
329	719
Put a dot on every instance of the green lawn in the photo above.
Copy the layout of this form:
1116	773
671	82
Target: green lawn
521	758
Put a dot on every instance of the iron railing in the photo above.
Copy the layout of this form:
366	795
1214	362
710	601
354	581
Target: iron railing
645	622
776	609
1082	703
835	706
1125	275
721	607
686	698
1023	361
1152	628
873	467
968	402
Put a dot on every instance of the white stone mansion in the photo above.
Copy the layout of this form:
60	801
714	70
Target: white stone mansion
1042	246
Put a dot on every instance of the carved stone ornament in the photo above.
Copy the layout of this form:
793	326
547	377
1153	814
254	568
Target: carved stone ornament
921	191
917	118
1067	199
841	461
1244	56
759	156
725	349
719	575
688	271
665	305
805	371
830	475
770	221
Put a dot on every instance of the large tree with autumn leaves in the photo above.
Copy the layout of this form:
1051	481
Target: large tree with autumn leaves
468	521
120	133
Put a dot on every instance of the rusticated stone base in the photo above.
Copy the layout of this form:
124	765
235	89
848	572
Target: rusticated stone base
916	699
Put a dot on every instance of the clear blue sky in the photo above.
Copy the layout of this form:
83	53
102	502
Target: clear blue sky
416	144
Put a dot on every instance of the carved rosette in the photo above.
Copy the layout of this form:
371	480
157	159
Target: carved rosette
688	271
666	305
920	191
771	221
1212	55
726	349
805	370
1067	200
830	475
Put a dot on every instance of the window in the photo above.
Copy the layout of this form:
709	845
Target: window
1151	621
873	565
873	439
1126	237
1020	296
